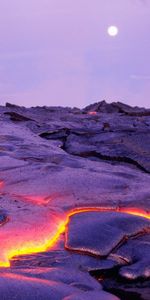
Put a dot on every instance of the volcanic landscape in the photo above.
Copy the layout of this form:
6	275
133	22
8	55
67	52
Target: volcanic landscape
75	202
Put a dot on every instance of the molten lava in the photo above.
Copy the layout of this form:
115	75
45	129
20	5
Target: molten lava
92	113
41	239
28	243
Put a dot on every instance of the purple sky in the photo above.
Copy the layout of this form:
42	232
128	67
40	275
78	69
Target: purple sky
58	52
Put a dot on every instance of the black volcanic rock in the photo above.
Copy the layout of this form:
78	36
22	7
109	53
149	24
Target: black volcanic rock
11	105
137	253
90	295
117	107
120	147
17	117
55	160
98	233
3	218
102	107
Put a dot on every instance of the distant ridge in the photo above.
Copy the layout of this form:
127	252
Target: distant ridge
117	107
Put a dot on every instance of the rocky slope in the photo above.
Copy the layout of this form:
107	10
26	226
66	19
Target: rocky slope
75	202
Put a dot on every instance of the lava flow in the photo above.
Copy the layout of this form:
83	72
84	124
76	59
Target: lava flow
39	237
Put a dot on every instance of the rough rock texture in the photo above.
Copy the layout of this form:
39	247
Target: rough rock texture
98	233
137	251
56	160
3	218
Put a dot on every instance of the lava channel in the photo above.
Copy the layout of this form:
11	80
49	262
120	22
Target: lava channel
35	239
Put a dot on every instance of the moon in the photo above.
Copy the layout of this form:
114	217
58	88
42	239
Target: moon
113	30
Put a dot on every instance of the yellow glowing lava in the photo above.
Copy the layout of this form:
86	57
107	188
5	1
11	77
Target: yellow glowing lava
135	211
46	242
33	247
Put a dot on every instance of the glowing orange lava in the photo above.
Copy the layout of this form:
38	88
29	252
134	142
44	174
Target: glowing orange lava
136	212
49	236
31	246
92	113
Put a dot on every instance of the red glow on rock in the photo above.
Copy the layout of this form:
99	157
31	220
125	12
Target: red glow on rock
1	184
92	113
36	199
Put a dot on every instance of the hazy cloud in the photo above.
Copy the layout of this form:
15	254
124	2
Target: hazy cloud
140	77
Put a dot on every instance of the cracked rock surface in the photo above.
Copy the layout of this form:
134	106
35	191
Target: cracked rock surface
56	160
98	233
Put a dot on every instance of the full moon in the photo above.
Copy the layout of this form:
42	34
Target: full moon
112	30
